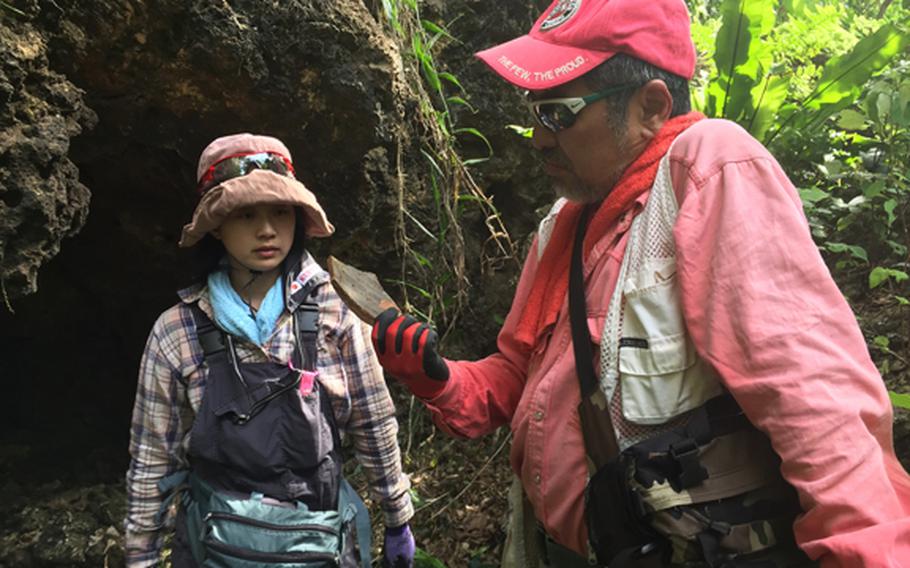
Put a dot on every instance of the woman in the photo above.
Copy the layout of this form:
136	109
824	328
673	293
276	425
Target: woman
248	384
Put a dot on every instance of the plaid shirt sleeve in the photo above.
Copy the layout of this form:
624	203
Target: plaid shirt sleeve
373	426
159	423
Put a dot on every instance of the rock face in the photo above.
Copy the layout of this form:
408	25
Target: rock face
41	199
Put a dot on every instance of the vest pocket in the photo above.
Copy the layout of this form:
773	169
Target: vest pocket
660	374
233	540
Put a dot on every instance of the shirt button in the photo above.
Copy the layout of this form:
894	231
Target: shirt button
538	415
537	478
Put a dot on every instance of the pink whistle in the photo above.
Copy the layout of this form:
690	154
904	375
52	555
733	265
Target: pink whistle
307	379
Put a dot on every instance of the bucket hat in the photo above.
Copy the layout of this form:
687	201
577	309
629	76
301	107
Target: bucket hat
242	188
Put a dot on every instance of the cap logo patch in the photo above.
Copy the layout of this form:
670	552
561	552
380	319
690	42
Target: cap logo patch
560	14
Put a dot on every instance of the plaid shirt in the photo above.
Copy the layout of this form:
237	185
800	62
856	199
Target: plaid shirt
172	381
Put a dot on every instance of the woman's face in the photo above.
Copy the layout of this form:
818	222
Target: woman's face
258	237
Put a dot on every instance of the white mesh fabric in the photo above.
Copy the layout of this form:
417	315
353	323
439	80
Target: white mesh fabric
650	238
545	228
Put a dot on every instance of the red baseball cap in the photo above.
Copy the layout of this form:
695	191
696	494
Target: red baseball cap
573	36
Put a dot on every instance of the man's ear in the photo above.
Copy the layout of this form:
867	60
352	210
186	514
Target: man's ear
654	104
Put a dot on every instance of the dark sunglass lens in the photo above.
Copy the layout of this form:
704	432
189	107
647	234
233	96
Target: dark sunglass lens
277	165
255	162
228	169
242	165
546	117
562	116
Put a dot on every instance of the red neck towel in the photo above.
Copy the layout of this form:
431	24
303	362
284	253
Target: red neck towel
552	279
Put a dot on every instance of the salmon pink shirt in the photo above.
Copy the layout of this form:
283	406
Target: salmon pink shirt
762	308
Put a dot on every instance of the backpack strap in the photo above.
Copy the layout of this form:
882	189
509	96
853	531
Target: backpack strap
211	338
306	326
597	430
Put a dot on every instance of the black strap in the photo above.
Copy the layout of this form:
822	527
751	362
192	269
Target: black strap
597	430
306	322
211	338
578	317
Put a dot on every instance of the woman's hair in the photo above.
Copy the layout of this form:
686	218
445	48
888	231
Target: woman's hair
206	255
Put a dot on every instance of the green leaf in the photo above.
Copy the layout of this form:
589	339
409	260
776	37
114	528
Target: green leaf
902	300
422	260
433	163
877	276
435	29
855	251
812	195
880	274
843	77
420	225
899	400
416	499
881	341
429	73
883	107
874	189
461	101
851	120
474	132
523	131
741	57
451	79
768	103
903	104
423	559
889	207
12	9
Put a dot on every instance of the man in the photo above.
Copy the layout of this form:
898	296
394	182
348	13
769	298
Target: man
716	328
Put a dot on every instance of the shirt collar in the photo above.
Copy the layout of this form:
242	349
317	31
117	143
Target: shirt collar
297	286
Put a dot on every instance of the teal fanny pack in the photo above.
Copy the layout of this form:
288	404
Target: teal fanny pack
231	532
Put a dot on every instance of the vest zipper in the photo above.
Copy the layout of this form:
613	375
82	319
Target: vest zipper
243	418
266	525
271	557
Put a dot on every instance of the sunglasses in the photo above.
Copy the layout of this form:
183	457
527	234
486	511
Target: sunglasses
560	113
242	164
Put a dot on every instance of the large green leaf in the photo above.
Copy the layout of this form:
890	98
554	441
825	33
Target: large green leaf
741	57
899	400
843	78
767	104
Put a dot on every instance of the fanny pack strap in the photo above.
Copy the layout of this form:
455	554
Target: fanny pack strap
594	411
350	500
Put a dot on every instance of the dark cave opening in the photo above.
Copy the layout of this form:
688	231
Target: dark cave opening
71	350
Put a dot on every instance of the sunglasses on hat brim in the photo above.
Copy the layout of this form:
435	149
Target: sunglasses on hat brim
241	165
560	113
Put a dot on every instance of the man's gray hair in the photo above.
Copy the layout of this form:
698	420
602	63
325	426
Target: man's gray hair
626	69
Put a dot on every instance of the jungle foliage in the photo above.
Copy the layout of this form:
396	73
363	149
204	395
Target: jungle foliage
825	86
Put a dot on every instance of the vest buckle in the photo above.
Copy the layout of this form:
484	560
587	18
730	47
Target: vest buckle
685	454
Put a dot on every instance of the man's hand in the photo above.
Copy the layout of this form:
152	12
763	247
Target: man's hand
407	351
398	548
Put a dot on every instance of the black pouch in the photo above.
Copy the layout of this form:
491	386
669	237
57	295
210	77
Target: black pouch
615	516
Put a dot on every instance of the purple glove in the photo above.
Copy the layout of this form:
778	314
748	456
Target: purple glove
398	548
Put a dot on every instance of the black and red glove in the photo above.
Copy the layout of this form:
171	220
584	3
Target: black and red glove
407	351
